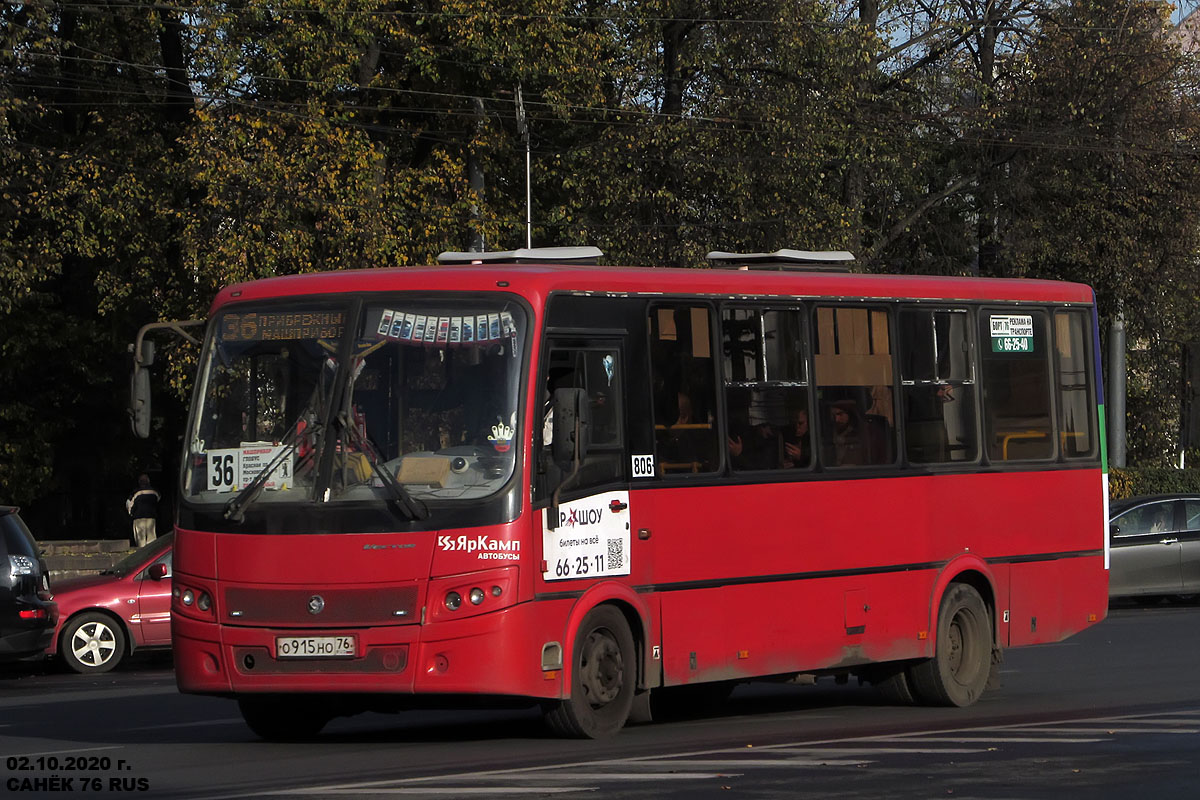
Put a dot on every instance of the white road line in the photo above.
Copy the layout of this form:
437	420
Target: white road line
752	761
986	740
1105	730
60	752
1150	720
199	724
996	735
452	791
881	751
628	776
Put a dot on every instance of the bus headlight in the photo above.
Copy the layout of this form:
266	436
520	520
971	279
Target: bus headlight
188	597
472	594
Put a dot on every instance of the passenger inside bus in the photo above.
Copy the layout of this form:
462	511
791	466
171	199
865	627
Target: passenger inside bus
797	450
844	445
758	419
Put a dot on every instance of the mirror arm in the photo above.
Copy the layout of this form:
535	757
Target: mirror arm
552	512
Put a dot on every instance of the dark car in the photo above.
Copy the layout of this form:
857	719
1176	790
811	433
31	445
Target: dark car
27	612
105	617
1155	545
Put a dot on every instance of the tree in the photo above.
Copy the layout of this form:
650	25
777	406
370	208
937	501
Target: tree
1104	187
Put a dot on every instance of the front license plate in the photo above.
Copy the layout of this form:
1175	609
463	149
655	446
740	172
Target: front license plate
314	646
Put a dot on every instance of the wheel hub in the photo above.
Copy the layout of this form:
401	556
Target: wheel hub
602	671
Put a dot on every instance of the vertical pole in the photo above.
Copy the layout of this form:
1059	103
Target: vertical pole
523	130
528	198
1116	391
477	183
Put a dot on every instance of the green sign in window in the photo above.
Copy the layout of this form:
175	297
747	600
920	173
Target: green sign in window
1011	334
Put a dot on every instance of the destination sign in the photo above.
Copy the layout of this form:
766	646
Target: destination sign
257	326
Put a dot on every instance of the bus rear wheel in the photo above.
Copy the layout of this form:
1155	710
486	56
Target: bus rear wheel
959	669
603	676
283	719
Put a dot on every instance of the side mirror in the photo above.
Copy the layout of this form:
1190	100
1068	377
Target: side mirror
570	407
158	571
139	391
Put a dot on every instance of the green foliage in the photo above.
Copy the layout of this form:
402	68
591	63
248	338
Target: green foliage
150	157
1123	483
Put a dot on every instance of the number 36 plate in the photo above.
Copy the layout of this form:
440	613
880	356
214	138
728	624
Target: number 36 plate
314	646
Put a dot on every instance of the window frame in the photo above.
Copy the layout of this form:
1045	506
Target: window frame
1089	361
890	308
983	312
719	466
803	386
975	362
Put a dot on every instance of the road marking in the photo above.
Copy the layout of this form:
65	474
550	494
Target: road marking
1156	720
60	752
742	763
1103	731
986	740
198	724
869	751
733	761
453	791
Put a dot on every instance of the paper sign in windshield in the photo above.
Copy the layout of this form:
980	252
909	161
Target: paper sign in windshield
235	467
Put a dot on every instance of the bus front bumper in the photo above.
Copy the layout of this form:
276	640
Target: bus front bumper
491	654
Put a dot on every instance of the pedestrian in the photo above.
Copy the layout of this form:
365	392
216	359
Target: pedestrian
142	506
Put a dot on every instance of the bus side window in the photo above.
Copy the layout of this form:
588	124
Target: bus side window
683	380
766	388
852	360
1076	403
937	377
1016	384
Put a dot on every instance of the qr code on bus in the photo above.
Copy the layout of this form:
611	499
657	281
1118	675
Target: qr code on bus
616	555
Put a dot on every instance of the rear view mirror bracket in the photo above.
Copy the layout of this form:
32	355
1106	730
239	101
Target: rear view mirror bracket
569	448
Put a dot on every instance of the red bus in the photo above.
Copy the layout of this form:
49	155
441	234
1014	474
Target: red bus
581	485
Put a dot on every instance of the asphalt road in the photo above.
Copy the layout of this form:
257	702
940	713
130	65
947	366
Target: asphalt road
1111	713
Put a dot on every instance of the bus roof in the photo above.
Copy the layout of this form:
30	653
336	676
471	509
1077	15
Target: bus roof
537	281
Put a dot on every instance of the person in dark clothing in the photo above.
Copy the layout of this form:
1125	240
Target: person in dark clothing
142	506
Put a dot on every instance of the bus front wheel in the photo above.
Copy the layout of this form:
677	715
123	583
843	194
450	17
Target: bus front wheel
603	675
283	719
959	669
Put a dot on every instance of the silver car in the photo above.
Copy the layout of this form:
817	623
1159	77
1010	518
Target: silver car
1155	546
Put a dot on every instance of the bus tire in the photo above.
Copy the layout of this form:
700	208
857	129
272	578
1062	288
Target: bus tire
283	719
603	677
959	669
893	683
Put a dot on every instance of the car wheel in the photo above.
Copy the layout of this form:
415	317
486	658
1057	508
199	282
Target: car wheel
92	643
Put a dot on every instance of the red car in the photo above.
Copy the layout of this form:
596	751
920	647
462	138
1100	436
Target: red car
103	618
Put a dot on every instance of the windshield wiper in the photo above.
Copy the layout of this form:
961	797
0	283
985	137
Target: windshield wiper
235	509
409	506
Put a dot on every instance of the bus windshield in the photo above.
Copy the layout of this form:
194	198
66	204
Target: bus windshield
421	404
